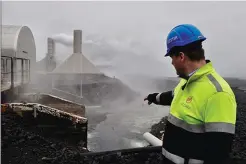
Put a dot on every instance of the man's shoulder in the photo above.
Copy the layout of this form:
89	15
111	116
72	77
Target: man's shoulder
219	82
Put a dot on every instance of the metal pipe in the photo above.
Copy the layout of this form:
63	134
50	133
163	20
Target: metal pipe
77	41
12	73
152	139
29	70
50	47
22	71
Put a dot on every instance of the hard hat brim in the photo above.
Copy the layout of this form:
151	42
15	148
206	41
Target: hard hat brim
169	50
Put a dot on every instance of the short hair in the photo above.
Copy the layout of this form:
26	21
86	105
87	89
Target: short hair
193	51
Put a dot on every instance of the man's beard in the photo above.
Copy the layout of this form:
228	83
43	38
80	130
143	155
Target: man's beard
181	74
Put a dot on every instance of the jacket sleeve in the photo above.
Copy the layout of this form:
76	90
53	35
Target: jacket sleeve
165	98
220	119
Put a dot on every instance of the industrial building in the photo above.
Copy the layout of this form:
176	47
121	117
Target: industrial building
18	58
76	78
71	79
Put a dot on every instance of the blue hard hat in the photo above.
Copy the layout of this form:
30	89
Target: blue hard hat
182	35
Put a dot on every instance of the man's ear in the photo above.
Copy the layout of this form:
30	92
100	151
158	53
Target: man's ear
182	56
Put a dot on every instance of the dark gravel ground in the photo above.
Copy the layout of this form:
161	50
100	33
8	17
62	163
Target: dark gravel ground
159	128
22	145
238	153
239	145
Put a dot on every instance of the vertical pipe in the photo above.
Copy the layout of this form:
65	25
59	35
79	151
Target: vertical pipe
77	48
6	65
81	84
12	73
81	95
22	71
50	55
77	41
50	46
29	70
86	133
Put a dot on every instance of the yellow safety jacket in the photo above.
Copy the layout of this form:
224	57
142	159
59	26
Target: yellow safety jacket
203	106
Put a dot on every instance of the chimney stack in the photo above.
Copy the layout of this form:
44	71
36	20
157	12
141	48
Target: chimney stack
50	56
77	41
50	47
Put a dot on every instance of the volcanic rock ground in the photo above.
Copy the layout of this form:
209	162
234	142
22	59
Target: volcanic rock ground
24	145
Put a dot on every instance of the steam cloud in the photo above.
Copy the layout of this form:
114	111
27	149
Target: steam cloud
64	39
121	57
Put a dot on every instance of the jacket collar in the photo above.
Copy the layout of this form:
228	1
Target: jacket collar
208	67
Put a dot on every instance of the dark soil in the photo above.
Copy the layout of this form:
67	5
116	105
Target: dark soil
23	145
239	144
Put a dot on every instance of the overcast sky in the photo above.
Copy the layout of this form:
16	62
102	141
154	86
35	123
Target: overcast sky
128	34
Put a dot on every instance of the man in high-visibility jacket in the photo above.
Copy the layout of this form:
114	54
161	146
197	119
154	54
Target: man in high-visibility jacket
201	122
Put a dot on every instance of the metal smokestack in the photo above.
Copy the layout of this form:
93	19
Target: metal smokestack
50	47
77	48
50	56
77	41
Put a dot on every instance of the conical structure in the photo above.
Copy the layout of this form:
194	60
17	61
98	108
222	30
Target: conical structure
77	63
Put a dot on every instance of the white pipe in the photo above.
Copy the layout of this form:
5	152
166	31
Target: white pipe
95	106
152	139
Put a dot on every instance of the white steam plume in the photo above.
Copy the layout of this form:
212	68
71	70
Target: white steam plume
64	39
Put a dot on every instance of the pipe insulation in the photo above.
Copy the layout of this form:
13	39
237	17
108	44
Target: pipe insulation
154	141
